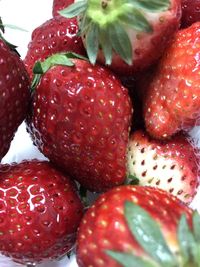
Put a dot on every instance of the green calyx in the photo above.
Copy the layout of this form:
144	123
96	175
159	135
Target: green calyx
149	235
132	180
2	28
64	59
105	24
2	31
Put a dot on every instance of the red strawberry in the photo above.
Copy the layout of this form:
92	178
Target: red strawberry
59	5
40	212
190	12
172	100
55	35
14	94
80	120
131	35
138	226
170	165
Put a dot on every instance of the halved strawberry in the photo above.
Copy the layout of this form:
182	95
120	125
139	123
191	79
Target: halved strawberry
171	165
127	35
135	226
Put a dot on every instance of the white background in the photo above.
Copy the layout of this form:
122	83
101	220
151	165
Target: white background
29	14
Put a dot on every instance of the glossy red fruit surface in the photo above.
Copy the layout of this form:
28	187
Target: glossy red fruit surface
80	120
39	212
55	35
172	99
59	5
14	95
104	226
172	165
190	12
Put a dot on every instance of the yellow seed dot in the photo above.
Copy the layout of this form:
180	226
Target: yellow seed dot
103	223
89	231
82	237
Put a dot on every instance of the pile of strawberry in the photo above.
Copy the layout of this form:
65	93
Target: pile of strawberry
109	90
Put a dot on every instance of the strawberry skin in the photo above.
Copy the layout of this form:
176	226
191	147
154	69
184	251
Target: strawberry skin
190	12
104	227
172	100
59	5
15	96
55	35
171	165
81	120
40	212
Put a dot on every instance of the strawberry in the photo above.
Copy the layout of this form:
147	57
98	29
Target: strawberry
172	100
190	12
59	5
171	165
40	212
140	227
127	35
55	35
14	94
80	120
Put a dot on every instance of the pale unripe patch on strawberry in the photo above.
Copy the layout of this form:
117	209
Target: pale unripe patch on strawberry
145	169
172	166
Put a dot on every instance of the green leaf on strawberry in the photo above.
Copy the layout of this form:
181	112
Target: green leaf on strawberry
42	67
56	59
114	18
196	226
148	234
1	25
128	260
151	5
2	29
74	9
133	180
136	20
92	42
186	240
